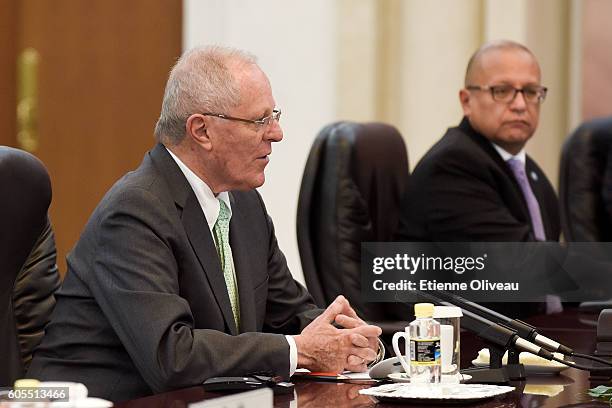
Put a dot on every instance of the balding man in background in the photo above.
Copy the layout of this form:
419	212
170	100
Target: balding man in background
477	183
178	276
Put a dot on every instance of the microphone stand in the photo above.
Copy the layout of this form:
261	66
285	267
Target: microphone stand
498	338
496	372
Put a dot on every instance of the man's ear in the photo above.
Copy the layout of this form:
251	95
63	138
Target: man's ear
464	98
196	128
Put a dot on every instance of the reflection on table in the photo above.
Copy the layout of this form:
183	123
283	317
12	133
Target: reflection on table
566	389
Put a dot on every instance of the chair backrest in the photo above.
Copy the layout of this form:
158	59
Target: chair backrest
28	274
351	191
585	183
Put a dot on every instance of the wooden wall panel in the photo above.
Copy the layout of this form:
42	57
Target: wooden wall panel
8	44
597	59
103	67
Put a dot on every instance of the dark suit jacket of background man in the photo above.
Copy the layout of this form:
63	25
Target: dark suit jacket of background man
462	190
144	306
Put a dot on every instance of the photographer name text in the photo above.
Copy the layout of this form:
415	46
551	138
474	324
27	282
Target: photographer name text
425	285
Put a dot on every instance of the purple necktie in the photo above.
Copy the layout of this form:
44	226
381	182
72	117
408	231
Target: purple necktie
518	169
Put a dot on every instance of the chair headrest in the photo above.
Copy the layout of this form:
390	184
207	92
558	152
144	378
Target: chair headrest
25	195
584	175
374	158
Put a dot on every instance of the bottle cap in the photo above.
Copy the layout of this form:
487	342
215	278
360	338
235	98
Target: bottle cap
423	309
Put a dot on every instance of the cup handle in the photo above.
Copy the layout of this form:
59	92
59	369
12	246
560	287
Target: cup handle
394	341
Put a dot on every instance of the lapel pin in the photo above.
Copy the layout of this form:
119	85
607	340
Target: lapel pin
534	176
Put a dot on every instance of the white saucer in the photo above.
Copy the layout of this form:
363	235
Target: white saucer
399	377
440	393
403	378
534	365
535	369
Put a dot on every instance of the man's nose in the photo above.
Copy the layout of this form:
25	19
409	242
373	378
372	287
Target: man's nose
519	102
274	132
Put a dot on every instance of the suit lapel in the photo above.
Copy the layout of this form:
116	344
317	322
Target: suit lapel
488	148
238	234
196	227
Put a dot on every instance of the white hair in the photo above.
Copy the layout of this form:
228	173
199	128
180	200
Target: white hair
201	81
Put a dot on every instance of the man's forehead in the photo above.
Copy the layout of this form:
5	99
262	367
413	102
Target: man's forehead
507	64
255	90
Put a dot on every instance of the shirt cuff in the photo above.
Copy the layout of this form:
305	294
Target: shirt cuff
293	355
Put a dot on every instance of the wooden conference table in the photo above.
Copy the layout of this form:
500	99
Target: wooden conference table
572	328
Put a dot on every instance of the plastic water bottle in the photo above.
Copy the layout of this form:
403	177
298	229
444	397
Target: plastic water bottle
425	363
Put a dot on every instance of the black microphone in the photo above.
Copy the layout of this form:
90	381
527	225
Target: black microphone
496	333
523	329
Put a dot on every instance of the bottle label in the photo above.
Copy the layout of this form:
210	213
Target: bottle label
425	352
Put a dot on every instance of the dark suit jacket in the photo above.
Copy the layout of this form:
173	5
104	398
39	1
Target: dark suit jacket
462	190
144	307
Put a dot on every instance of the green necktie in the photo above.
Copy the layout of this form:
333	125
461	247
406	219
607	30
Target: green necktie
221	232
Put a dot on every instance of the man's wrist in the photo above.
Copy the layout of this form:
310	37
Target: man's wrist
303	359
380	355
293	355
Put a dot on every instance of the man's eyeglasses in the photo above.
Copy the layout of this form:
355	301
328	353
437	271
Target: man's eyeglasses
507	93
263	122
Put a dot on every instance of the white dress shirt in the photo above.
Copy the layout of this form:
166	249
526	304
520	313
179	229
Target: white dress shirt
210	206
520	156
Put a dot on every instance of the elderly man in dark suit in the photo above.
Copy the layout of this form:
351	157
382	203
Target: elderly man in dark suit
477	183
177	276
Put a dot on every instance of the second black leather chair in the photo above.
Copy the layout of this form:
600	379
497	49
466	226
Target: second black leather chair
351	191
28	273
585	183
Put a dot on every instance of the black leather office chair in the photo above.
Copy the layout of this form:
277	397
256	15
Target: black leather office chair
351	189
28	273
585	183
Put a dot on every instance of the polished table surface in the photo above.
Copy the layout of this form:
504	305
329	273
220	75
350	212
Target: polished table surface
571	328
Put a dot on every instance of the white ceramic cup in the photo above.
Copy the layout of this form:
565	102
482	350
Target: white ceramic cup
450	331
